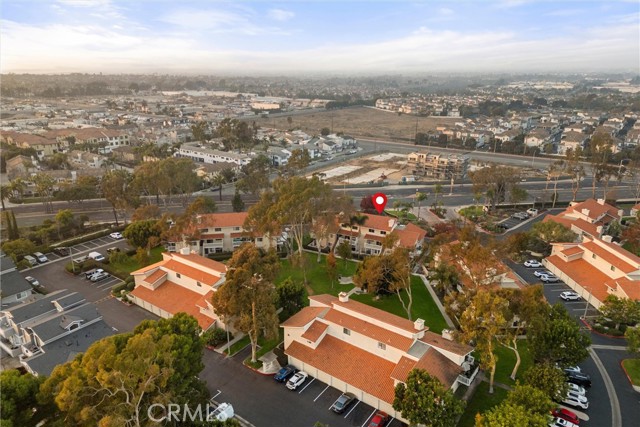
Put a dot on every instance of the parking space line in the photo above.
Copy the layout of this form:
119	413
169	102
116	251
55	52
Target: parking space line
369	417
391	420
354	407
318	396
308	384
217	394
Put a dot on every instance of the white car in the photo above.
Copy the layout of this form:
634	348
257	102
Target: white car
297	380
577	389
559	422
577	396
99	276
576	402
32	280
532	263
539	273
116	235
549	278
569	296
42	258
532	212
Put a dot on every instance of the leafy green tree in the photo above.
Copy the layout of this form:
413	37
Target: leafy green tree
247	298
548	378
510	415
200	131
546	332
138	233
18	398
145	212
9	219
495	182
552	232
18	248
119	190
621	310
483	321
201	205
291	297
5	193
118	378
424	400
255	175
633	339
344	251
446	277
236	203
325	131
420	197
45	186
297	162
332	267
535	400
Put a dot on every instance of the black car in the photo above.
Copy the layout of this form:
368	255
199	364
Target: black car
578	378
285	373
343	402
62	251
503	226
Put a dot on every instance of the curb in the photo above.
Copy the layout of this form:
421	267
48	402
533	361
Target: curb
593	331
256	371
635	387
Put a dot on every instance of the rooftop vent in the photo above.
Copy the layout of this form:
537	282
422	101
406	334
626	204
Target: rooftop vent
343	297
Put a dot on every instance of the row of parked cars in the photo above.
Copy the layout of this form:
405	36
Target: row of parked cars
530	213
576	397
294	378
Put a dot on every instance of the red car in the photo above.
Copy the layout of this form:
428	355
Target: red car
379	419
565	414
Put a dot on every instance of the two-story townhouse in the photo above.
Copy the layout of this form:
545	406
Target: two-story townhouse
596	268
590	218
536	138
201	154
360	349
13	287
367	239
222	232
439	166
181	282
571	140
46	331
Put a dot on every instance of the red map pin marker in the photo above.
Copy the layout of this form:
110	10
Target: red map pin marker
379	201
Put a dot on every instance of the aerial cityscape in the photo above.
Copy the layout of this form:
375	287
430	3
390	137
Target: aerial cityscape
314	214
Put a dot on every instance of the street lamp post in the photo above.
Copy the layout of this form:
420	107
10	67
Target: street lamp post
586	307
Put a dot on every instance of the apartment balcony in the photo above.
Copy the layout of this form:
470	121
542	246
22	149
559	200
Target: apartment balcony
30	350
471	370
10	348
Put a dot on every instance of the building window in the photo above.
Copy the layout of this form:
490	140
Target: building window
383	233
346	331
371	230
217	229
198	284
613	268
236	228
178	275
382	346
259	239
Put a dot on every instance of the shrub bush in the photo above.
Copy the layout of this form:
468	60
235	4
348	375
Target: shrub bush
215	337
117	289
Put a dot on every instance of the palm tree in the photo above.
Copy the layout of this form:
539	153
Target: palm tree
217	181
420	197
5	193
18	186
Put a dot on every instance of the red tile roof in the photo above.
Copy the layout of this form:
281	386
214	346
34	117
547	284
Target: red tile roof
159	274
374	237
595	209
569	222
440	367
402	369
410	236
609	257
191	272
436	340
350	364
304	316
231	219
584	274
631	288
174	299
368	329
203	261
573	250
315	331
212	236
379	222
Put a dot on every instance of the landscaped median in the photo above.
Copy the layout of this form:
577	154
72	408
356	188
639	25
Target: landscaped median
631	367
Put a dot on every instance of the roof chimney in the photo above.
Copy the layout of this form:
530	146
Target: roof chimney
446	334
185	251
391	222
607	239
601	201
343	297
418	325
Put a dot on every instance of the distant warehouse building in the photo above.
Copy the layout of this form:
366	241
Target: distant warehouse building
200	154
439	166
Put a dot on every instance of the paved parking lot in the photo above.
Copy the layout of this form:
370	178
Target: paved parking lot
229	381
53	276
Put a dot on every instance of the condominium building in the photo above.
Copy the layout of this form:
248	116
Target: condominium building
439	166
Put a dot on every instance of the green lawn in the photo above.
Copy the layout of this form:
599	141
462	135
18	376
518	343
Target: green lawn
632	366
239	345
423	305
480	402
317	278
507	360
398	214
132	265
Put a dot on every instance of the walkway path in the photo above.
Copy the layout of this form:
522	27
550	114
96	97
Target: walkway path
435	298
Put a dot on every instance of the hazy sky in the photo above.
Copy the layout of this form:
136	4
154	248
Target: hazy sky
264	37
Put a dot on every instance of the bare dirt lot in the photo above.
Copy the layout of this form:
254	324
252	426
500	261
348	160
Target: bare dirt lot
361	122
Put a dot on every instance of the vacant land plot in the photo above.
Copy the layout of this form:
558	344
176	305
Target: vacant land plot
361	122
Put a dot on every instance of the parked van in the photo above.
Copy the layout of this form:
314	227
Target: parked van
31	260
96	256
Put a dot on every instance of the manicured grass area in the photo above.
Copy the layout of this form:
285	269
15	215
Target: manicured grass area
265	346
480	402
317	278
423	305
507	360
132	265
632	366
239	345
408	215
